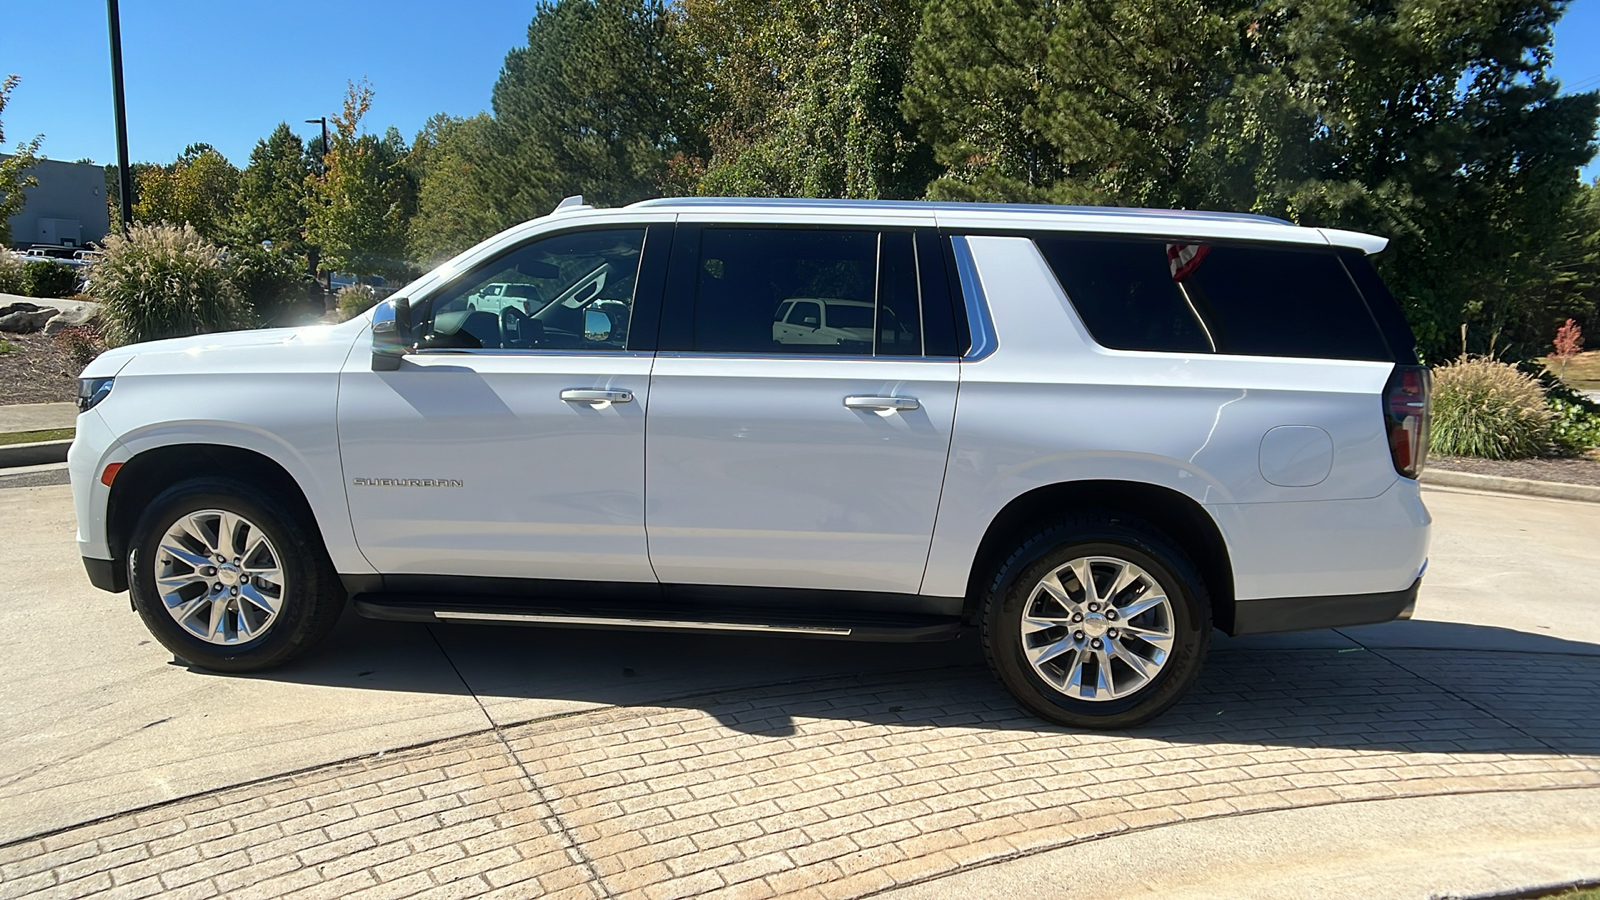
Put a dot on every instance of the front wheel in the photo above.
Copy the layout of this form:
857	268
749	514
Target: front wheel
229	578
1097	622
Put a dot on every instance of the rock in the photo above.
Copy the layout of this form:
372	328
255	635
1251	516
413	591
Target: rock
73	314
25	318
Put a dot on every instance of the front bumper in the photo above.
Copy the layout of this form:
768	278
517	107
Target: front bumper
1310	613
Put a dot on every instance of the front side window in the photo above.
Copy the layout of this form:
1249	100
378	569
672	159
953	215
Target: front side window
572	291
812	291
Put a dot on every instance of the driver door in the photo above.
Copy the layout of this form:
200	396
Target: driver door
512	445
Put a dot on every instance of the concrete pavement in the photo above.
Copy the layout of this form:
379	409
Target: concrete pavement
37	416
675	765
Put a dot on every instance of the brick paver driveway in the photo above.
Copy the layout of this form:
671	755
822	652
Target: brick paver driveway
840	788
698	776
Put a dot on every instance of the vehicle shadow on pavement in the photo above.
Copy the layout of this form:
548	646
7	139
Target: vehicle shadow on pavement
1424	687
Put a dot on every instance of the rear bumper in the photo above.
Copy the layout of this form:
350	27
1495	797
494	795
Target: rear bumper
1309	613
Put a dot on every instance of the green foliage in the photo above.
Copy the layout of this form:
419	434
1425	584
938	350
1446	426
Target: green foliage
10	274
804	98
355	299
1434	122
453	159
165	281
1574	418
1488	409
271	282
196	190
270	205
594	105
12	179
356	209
48	278
1574	428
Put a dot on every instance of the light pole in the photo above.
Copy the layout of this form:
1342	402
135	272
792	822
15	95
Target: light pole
323	121
313	256
124	177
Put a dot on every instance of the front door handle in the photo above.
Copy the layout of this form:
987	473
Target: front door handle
881	404
578	395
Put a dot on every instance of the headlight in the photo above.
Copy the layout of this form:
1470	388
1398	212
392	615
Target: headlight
91	391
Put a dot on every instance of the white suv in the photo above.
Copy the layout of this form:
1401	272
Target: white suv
1093	434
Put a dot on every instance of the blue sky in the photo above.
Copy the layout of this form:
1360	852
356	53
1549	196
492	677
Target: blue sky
226	72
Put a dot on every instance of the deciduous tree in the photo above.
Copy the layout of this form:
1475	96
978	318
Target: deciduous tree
804	97
197	189
356	210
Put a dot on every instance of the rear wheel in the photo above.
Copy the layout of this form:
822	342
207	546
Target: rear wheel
1097	622
229	578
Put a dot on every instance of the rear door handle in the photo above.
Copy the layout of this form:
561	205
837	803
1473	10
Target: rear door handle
578	395
882	404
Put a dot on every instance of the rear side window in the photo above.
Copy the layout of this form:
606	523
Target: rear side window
1245	299
809	291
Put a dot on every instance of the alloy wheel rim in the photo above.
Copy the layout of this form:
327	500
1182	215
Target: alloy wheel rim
1098	628
219	577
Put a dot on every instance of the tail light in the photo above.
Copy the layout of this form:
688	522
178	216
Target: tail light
1406	415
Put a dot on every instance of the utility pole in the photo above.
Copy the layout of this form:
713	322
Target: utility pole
124	176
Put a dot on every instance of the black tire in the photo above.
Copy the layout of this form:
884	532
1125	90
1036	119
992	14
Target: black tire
1096	535
312	597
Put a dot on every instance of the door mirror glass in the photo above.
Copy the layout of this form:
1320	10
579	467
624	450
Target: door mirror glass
391	333
596	325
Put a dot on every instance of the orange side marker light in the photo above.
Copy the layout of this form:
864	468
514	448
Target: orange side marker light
110	473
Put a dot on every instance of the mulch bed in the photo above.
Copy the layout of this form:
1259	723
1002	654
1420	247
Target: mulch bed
37	371
1566	471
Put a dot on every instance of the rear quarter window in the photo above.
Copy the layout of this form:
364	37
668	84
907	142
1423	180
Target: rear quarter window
1200	296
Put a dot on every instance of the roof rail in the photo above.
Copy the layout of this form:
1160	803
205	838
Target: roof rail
935	206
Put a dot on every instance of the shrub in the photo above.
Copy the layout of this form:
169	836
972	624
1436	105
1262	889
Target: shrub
82	343
164	281
355	299
48	278
10	274
1574	418
271	282
1488	409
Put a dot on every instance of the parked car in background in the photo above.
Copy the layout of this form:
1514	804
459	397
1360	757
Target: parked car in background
517	295
1091	435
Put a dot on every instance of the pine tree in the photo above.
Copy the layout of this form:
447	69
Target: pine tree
593	105
1434	122
271	202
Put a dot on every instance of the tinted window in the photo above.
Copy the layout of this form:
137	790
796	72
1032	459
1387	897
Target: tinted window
569	292
1391	319
766	290
1124	292
1247	299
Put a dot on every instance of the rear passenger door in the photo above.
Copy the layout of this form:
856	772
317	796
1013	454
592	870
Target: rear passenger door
801	408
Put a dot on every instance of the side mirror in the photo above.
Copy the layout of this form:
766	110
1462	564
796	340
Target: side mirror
391	331
596	325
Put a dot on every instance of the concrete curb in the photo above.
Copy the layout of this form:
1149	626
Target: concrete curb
1554	490
36	453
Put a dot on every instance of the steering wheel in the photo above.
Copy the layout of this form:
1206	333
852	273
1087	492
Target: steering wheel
518	329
